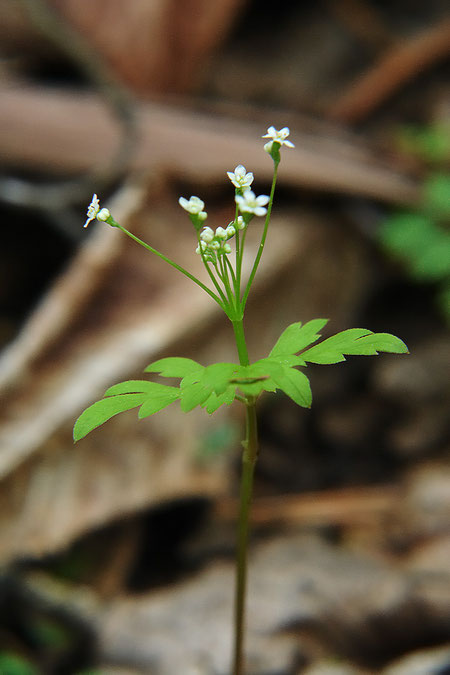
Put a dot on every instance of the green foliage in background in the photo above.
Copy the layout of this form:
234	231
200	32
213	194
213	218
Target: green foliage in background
420	238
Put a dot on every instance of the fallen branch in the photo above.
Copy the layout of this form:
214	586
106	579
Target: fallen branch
397	67
69	133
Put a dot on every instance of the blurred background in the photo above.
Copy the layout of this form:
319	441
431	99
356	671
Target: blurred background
117	553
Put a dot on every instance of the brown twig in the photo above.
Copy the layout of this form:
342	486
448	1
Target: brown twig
69	132
394	69
349	506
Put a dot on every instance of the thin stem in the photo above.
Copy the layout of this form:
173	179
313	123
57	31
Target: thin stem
210	272
263	237
249	457
173	264
225	279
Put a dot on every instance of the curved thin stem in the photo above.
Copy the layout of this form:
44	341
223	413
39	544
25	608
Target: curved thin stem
178	267
263	237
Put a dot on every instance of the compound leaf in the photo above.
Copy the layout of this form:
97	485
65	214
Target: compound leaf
296	337
101	411
175	366
351	342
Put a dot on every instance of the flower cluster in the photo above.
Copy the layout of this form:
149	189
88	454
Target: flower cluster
214	243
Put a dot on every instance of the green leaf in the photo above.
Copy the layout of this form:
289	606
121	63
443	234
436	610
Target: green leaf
257	377
138	386
434	262
405	234
217	377
197	386
437	194
14	664
176	366
296	385
432	142
213	402
296	337
103	410
351	342
193	395
154	404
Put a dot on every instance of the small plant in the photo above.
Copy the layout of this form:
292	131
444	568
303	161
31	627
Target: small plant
223	383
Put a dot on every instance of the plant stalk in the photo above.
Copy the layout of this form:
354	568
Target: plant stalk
249	457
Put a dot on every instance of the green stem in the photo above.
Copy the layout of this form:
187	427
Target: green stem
263	237
170	262
210	273
249	457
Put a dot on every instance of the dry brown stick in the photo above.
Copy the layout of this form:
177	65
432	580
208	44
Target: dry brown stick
348	506
399	65
66	132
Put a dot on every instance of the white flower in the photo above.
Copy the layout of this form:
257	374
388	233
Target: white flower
240	223
201	247
194	205
103	215
231	231
221	233
240	178
249	203
93	209
277	136
207	235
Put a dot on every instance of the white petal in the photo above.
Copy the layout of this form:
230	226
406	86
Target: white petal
259	211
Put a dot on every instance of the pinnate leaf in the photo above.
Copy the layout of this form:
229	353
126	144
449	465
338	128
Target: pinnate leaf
297	336
101	411
354	341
